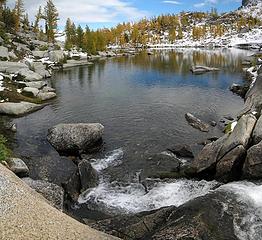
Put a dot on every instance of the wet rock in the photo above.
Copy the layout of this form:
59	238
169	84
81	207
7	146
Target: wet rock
211	217
253	163
17	109
202	69
137	226
46	95
72	138
162	165
52	192
229	168
240	90
213	123
88	175
48	89
17	166
204	165
182	151
29	75
257	133
196	123
241	134
83	179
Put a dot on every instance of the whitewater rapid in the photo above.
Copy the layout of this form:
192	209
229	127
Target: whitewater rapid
122	198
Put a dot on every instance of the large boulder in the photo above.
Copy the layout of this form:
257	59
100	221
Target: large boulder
72	138
40	54
30	92
84	178
204	165
43	95
257	133
196	123
11	67
56	56
241	134
25	214
4	55
17	109
253	163
40	68
52	192
29	75
229	168
253	102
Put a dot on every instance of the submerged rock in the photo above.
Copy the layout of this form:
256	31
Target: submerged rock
52	192
202	69
17	109
72	138
182	151
196	123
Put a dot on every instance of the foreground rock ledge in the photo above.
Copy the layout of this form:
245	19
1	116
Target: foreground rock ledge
24	214
72	138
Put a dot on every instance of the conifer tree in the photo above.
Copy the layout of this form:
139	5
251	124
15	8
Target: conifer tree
19	12
51	18
38	17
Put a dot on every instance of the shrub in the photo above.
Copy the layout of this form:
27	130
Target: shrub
4	151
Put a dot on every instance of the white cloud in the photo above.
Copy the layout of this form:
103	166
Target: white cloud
89	11
173	2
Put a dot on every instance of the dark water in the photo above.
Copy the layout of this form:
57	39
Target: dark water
140	100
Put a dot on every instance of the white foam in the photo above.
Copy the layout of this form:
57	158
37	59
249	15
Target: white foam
112	159
132	198
250	194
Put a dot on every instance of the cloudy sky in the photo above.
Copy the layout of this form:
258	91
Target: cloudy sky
99	13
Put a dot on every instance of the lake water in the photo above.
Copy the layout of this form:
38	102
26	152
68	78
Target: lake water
141	101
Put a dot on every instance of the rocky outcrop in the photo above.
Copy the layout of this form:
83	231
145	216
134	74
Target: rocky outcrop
196	123
257	133
11	67
249	2
253	163
18	109
253	99
224	158
56	56
72	138
52	192
28	75
4	54
212	217
22	206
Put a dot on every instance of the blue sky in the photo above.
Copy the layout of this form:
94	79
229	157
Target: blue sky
100	13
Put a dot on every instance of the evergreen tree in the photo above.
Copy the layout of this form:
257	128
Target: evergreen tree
38	17
79	37
19	13
51	18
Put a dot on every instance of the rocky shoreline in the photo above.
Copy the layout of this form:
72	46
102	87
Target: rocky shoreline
233	157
